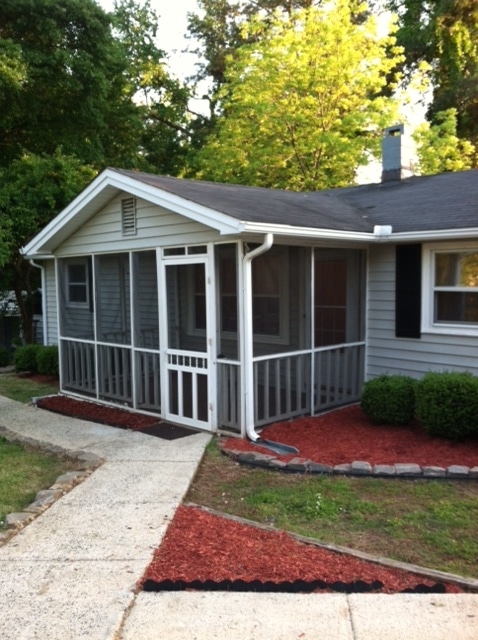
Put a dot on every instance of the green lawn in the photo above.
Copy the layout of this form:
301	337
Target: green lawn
24	472
431	523
24	389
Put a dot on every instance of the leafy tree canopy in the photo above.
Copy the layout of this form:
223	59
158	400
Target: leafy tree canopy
444	33
94	83
302	104
440	149
33	189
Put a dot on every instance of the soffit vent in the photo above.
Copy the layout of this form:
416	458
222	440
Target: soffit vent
128	216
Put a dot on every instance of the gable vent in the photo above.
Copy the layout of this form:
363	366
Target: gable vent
128	216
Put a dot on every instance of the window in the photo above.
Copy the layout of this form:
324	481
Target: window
270	280
455	287
77	284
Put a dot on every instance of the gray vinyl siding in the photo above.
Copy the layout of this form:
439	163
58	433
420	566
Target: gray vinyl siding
156	227
50	302
414	357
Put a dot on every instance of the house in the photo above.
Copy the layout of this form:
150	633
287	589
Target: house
224	307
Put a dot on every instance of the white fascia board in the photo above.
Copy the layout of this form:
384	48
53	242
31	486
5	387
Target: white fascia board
66	216
307	232
116	183
199	213
431	236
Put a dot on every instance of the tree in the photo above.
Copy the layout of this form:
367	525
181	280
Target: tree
71	75
32	190
217	31
161	100
440	149
302	107
70	79
71	89
444	33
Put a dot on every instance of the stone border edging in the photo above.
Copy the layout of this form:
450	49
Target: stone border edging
469	583
356	468
87	463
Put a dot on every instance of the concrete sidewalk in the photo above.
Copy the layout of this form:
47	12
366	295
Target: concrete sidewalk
71	573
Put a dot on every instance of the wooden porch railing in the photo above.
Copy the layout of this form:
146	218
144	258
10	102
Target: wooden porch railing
78	370
293	384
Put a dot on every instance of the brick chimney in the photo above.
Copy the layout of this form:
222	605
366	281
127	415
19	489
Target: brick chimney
398	153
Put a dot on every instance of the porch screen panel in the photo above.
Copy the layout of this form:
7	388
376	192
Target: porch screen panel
186	294
330	301
226	264
338	296
113	298
145	293
75	298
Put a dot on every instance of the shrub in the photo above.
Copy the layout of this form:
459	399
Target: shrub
4	357
389	399
447	404
25	358
47	360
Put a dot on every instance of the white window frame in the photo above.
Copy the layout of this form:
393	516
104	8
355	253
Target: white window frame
76	262
428	290
283	336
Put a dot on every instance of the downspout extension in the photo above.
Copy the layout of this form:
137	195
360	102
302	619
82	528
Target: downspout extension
249	335
43	299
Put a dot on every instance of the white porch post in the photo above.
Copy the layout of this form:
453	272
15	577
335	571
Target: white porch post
248	336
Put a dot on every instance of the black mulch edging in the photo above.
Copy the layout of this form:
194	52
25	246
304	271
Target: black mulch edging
297	586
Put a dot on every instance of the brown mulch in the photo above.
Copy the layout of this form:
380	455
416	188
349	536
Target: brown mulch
199	546
95	412
347	434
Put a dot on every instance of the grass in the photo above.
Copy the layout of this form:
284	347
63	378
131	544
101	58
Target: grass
25	471
431	523
24	389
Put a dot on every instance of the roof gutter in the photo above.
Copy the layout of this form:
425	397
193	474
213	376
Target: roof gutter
248	341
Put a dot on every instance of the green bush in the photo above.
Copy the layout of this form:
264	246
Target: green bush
25	358
447	404
47	360
389	399
4	357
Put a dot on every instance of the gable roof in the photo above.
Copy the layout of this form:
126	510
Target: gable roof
420	204
427	207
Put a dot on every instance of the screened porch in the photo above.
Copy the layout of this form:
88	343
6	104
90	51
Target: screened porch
162	331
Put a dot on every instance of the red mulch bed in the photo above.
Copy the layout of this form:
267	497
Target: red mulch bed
199	546
204	547
345	435
98	413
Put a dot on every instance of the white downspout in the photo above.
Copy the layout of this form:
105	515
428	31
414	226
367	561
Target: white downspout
248	337
43	300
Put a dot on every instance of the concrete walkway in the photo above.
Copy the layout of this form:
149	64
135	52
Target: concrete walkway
71	573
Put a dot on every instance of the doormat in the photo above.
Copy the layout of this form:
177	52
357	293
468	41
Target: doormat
167	431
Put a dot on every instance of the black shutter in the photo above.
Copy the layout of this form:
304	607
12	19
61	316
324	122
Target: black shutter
408	290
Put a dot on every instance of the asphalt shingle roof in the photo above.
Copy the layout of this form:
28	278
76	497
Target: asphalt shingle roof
426	203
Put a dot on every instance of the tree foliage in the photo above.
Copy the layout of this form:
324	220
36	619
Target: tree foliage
440	149
69	86
33	189
161	100
444	33
297	115
218	33
95	86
